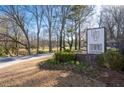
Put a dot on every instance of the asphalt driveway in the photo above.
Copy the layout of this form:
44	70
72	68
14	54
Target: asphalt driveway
7	61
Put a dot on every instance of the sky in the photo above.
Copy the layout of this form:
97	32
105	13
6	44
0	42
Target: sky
96	16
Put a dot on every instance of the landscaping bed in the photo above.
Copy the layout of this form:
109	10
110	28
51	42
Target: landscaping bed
112	78
104	76
107	70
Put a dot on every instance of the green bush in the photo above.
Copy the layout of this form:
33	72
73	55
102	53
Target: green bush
52	61
67	50
49	62
112	60
42	52
56	65
64	56
112	49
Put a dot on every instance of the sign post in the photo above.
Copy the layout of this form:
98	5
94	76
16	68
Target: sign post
96	41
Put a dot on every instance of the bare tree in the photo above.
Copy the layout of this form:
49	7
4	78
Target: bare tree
18	15
38	13
112	17
79	14
70	35
49	13
63	17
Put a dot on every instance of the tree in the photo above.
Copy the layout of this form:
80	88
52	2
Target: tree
38	13
49	13
64	11
11	36
15	33
17	15
112	18
70	34
79	14
44	26
106	20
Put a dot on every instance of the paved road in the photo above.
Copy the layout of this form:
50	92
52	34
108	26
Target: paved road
7	61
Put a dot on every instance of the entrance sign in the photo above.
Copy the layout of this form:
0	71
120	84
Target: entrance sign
95	41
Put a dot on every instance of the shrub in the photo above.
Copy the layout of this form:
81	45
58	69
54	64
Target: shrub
67	50
52	61
42	52
49	62
52	64
113	49
64	56
112	60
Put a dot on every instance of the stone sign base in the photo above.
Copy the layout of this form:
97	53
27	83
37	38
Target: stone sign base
87	58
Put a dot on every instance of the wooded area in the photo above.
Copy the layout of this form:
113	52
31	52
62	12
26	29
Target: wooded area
57	28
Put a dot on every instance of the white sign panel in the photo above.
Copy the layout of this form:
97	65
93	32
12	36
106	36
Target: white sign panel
96	41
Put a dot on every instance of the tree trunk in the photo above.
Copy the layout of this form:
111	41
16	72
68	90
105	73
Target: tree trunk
38	32
38	42
28	45
57	43
118	32
50	44
61	33
75	37
17	53
79	36
29	48
60	43
64	40
70	47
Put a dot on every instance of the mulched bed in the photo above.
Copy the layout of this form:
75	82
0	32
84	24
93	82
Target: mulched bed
112	78
108	77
